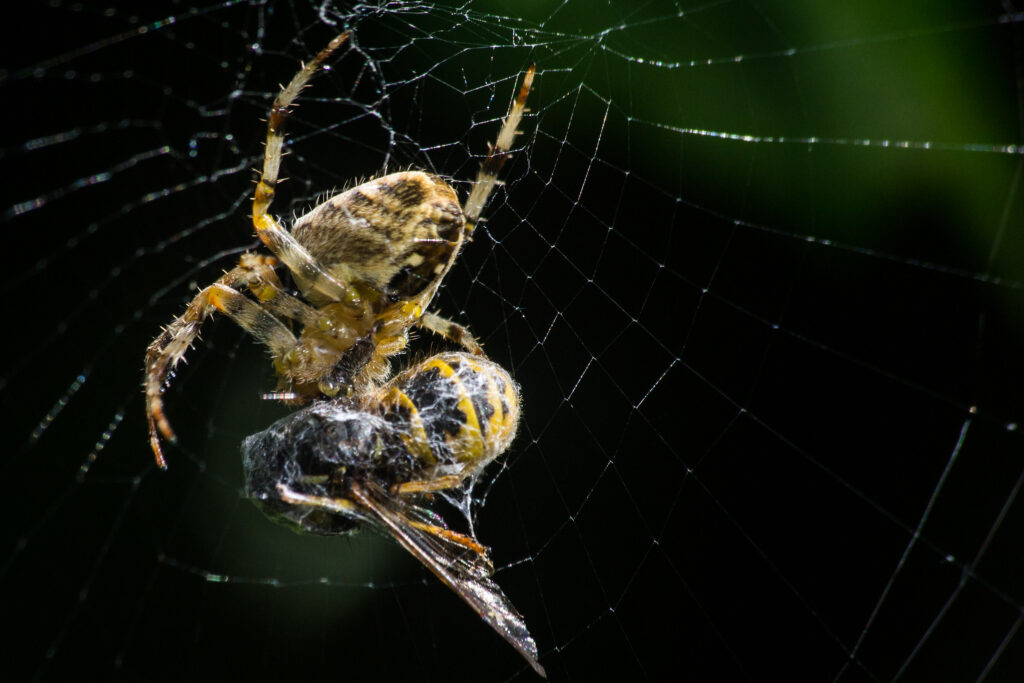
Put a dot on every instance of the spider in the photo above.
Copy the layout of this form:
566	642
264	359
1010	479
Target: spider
367	263
370	460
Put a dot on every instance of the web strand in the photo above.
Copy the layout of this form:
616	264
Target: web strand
756	269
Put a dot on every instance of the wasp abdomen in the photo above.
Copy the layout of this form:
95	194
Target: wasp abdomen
452	408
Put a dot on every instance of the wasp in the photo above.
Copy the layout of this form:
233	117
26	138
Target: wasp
376	461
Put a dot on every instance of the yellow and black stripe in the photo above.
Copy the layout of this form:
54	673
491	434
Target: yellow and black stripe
452	408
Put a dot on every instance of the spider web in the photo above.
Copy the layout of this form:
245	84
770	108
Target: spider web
758	267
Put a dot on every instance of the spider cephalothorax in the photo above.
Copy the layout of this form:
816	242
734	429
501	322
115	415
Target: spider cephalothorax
367	263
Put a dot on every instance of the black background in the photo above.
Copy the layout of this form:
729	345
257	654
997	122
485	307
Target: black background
768	384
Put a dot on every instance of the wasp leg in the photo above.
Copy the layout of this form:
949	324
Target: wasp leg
428	485
340	505
345	506
454	536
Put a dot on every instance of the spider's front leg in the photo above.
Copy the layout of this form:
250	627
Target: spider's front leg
170	347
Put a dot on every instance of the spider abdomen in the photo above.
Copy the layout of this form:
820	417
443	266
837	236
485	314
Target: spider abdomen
393	235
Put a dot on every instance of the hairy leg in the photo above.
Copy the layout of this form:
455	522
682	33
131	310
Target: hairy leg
170	347
452	331
487	179
308	271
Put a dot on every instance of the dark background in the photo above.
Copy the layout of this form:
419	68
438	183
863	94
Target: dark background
764	299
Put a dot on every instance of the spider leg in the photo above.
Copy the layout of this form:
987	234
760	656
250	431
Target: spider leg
487	179
284	305
391	333
262	281
307	269
326	323
392	336
169	348
451	331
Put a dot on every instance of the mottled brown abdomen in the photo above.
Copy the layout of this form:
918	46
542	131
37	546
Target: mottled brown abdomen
395	234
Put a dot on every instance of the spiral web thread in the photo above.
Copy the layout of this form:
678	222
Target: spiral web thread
756	266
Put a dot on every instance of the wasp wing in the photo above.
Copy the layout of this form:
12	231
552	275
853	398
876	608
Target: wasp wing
449	565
